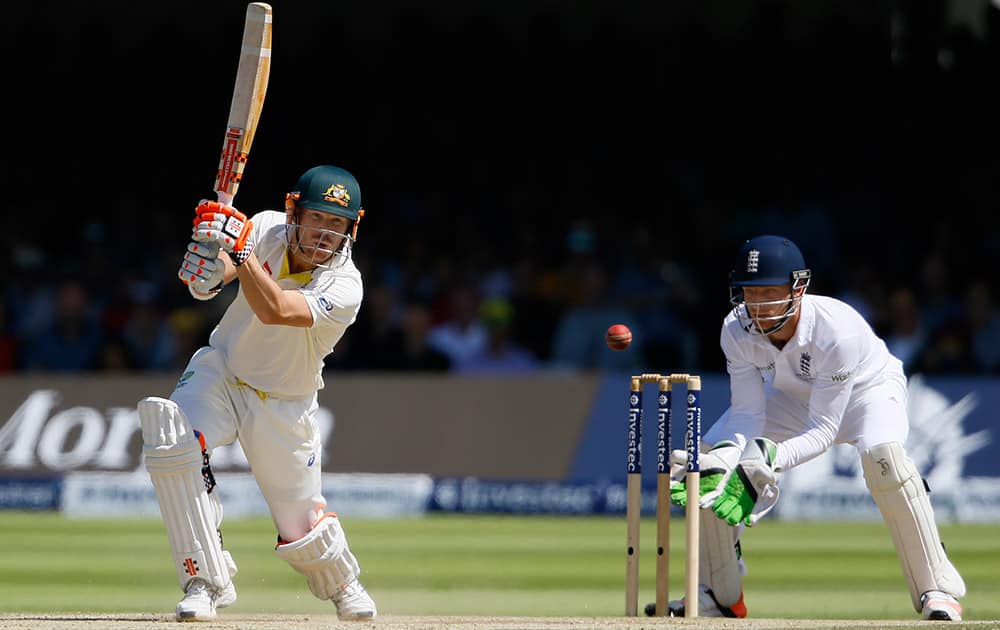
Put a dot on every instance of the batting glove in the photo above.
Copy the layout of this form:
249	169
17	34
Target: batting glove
201	270
224	225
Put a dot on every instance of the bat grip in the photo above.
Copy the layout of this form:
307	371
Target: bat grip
224	198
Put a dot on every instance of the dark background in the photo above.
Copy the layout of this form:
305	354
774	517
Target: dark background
542	168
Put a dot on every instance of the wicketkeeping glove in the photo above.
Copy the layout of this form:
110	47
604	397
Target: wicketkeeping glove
224	225
754	481
201	270
716	466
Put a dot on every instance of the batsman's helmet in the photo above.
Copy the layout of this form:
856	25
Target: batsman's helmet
328	189
769	261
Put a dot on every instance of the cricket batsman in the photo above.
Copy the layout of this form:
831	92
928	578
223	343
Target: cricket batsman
806	372
257	381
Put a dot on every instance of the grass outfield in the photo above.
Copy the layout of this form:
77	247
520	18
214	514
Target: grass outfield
481	565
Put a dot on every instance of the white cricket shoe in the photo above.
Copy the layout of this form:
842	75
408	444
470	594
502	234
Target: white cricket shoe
708	606
940	606
353	602
201	600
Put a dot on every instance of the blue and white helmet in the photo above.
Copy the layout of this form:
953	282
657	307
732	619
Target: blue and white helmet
766	261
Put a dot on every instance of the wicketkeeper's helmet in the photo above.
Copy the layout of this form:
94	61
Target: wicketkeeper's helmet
769	261
765	261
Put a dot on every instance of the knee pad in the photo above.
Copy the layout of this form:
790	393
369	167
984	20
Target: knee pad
178	467
898	490
323	557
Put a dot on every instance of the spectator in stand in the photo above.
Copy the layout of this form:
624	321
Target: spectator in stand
73	341
579	336
147	334
905	336
412	351
8	341
462	334
501	354
984	323
948	350
938	305
377	339
190	331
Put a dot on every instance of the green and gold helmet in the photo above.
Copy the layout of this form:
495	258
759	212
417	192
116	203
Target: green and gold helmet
328	189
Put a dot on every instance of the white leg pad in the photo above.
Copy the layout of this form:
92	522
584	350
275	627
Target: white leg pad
323	557
898	490
719	566
191	514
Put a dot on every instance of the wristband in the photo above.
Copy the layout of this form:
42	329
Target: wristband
240	257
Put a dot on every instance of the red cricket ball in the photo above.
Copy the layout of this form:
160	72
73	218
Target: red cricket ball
618	337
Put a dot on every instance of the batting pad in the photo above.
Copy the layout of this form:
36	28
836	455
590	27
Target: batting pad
192	516
895	484
719	567
323	557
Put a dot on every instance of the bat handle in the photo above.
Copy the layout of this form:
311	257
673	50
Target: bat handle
224	198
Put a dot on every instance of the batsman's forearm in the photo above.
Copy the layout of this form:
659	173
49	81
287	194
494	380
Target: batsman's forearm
270	303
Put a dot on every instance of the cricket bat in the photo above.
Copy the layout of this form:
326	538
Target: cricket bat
248	100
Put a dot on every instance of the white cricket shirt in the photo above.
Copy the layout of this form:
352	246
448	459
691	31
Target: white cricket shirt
834	357
287	361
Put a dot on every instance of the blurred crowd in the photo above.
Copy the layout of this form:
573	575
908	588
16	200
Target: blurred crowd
508	228
521	303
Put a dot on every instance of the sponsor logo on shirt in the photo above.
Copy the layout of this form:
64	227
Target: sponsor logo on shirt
766	372
325	303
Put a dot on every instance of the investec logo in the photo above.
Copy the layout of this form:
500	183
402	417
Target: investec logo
37	437
693	418
661	434
632	465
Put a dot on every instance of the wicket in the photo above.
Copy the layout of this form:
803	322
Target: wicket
633	469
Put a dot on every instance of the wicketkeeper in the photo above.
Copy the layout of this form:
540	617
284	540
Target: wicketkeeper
806	372
256	381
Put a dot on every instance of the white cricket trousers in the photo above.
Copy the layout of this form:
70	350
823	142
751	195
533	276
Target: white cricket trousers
281	438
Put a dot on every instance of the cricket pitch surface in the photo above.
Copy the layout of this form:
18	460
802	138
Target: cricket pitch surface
124	621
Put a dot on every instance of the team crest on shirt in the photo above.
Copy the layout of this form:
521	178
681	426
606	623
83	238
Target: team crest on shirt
805	362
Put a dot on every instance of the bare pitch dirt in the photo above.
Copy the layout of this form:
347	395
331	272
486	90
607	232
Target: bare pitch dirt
317	622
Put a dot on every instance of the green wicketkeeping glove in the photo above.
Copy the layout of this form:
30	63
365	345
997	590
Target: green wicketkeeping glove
716	465
755	479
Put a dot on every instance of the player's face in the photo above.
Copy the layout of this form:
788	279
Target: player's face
769	307
764	302
319	235
767	310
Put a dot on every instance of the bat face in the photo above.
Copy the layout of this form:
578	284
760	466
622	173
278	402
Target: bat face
248	100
